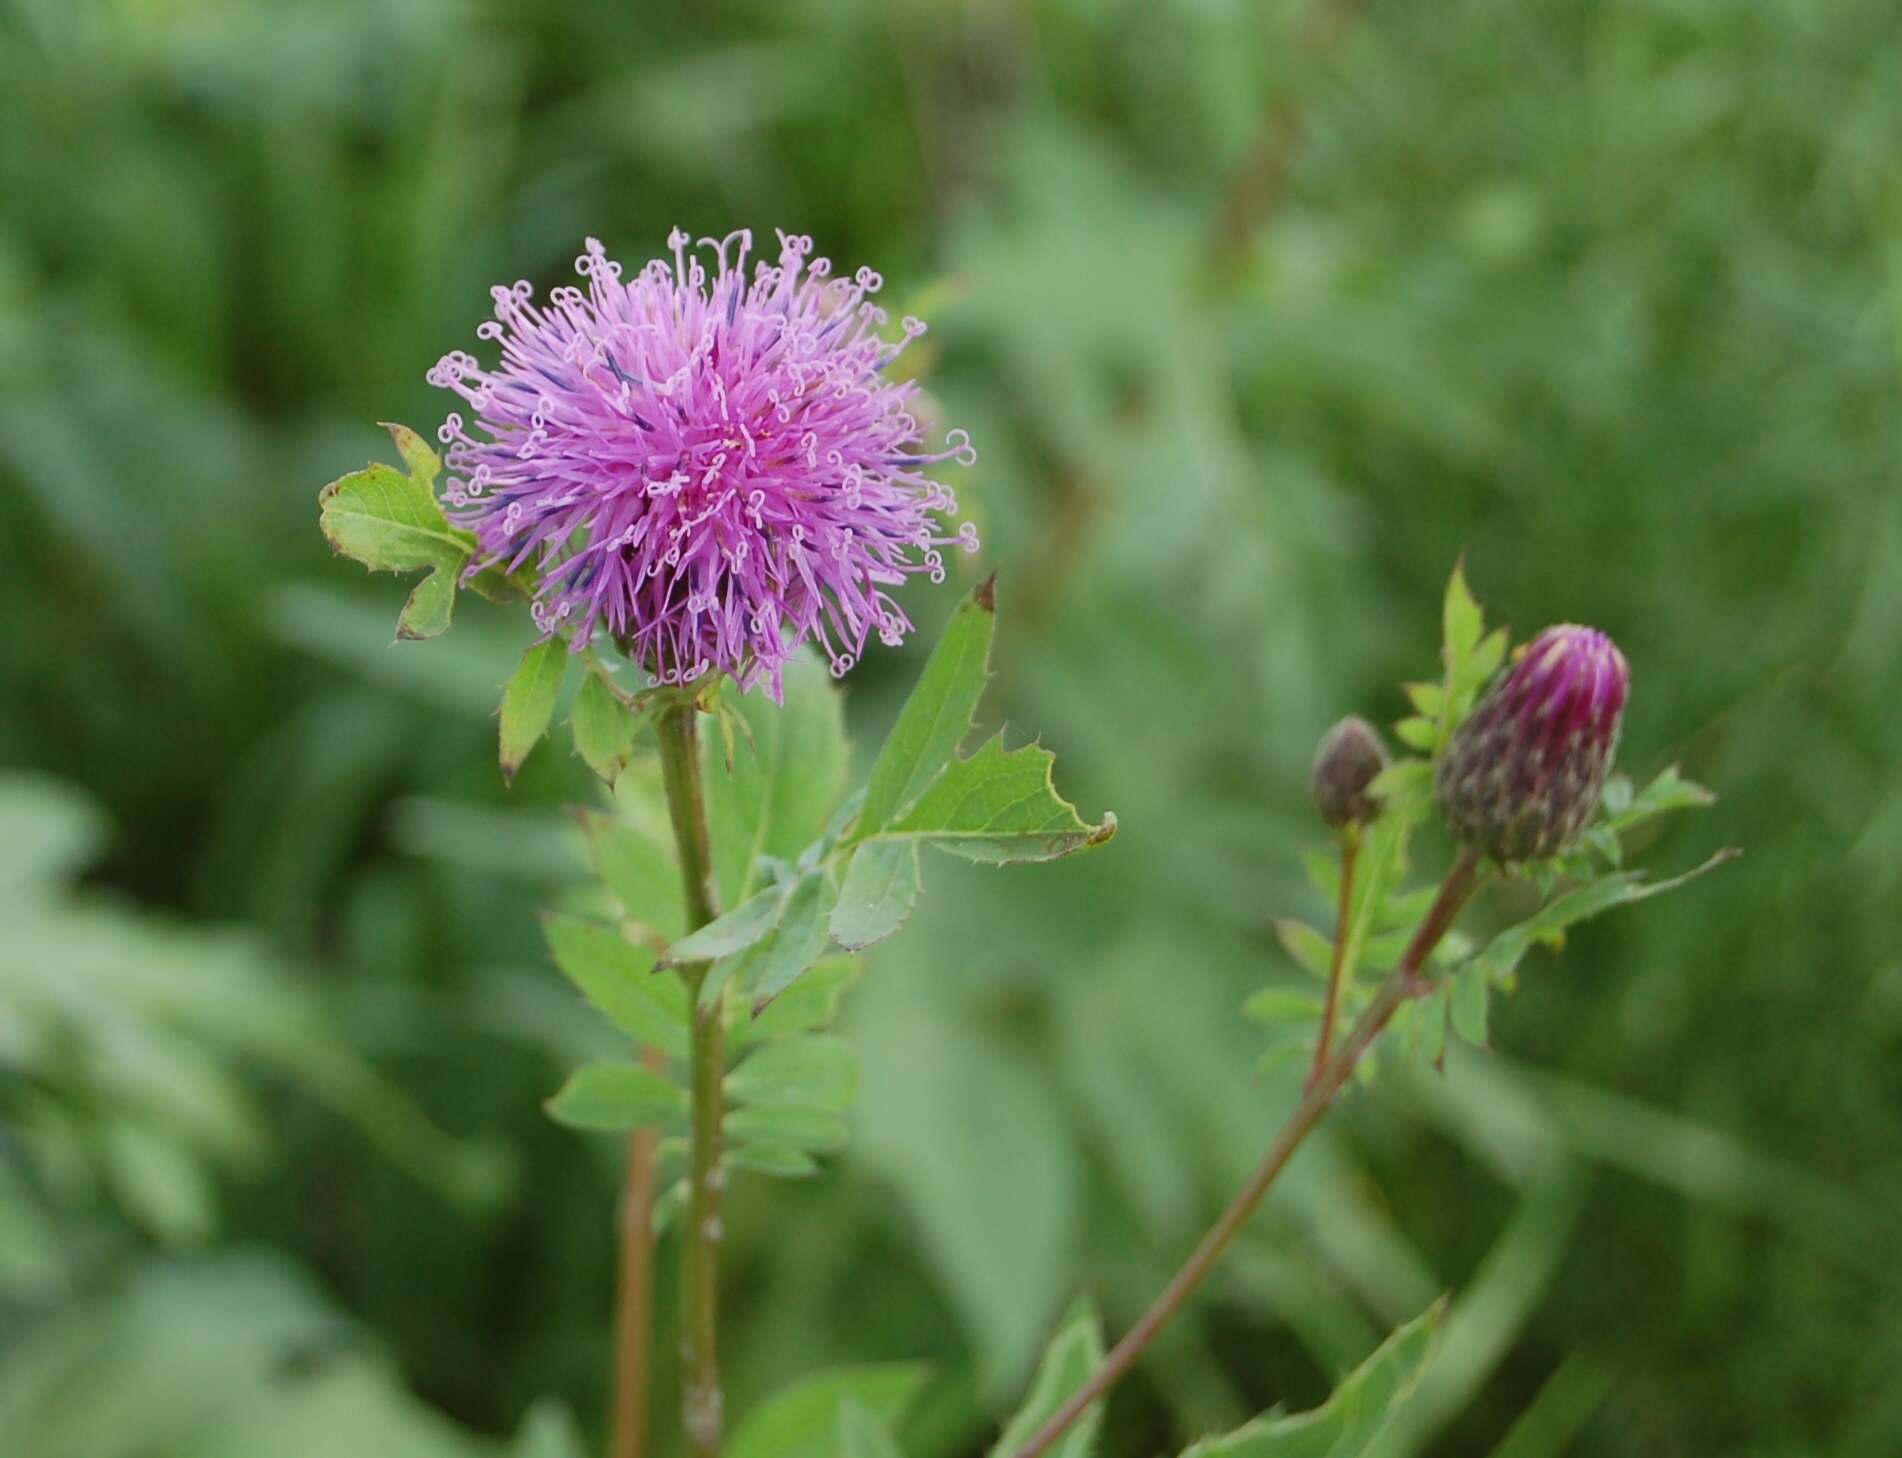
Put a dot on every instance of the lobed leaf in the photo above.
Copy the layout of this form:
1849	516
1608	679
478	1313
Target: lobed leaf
638	870
818	1071
391	522
1000	807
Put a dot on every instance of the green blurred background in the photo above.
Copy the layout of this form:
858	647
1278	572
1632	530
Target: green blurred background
1261	314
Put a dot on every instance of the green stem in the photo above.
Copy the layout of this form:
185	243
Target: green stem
1402	983
676	728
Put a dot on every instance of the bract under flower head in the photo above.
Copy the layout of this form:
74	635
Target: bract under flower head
709	468
1523	774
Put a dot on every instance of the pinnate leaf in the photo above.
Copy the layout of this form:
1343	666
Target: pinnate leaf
881	886
1000	806
618	978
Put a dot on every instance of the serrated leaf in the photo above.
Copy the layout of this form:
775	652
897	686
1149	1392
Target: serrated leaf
799	939
784	786
1000	807
880	888
528	702
1427	699
779	1160
1068	1362
638	870
603	728
802	1421
794	1127
605	1096
1343	1425
1416	733
618	978
1497	959
391	522
863	1434
820	1072
938	714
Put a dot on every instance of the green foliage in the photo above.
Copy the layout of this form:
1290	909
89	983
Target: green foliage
1347	1423
528	701
390	521
1073	1356
804	1420
1467	976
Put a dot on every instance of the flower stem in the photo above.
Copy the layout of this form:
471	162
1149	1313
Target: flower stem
1350	853
678	733
1402	983
634	1298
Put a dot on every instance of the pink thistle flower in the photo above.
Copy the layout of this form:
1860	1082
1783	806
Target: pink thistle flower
708	468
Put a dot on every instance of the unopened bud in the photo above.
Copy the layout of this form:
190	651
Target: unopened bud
1523	774
1350	757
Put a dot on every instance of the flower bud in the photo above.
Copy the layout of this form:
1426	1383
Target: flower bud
1349	758
1523	774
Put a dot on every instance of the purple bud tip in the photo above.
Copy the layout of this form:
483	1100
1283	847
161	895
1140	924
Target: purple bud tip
1350	757
1523	774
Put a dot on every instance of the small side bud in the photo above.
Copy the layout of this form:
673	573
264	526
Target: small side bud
1522	776
1350	757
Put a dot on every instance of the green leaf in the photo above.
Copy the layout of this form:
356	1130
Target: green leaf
999	806
1417	733
819	1071
1470	996
603	727
938	714
881	886
1275	1005
1667	792
784	785
863	1434
548	1430
1500	956
779	1160
794	1127
1343	1426
802	1421
779	959
812	1002
392	522
616	1096
1460	618
734	932
618	978
1072	1356
639	871
528	703
1312	951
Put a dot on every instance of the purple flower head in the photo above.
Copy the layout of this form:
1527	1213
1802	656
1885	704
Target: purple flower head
707	467
1522	776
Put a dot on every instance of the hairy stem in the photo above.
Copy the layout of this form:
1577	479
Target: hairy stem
678	733
1403	982
1350	853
